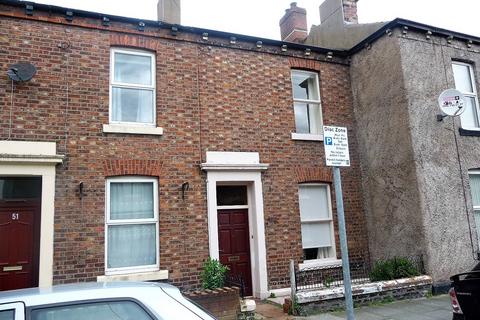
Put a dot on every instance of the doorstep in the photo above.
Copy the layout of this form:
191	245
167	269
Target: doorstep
267	309
278	300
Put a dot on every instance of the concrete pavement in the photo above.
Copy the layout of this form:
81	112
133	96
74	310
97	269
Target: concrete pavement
434	308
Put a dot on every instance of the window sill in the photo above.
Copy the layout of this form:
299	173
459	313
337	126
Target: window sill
119	128
320	263
140	276
471	132
307	136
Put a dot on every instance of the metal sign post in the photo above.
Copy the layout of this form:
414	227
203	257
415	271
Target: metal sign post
343	243
335	141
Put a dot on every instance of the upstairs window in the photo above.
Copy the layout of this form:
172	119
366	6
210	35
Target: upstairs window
306	102
317	223
465	82
132	87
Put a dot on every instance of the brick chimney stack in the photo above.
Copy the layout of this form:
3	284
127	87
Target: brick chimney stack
169	11
293	25
350	11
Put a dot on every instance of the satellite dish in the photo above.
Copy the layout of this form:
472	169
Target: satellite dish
451	102
23	71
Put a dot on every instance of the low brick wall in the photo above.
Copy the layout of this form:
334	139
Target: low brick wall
363	294
223	303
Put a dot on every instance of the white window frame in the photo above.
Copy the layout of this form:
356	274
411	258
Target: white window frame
152	87
475	208
309	136
473	94
326	261
109	222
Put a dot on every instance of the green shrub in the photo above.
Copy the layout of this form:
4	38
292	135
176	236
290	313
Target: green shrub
394	268
327	281
213	274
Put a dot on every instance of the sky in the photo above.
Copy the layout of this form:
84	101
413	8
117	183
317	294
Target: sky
260	17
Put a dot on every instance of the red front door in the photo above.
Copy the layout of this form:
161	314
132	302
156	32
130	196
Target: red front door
19	244
234	244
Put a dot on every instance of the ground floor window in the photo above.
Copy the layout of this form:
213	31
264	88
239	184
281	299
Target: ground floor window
475	189
131	225
317	223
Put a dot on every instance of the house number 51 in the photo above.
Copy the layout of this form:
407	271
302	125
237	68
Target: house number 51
15	216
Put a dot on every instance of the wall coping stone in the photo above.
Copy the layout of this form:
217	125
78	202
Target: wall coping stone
366	288
212	292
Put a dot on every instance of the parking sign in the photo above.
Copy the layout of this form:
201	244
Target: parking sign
335	141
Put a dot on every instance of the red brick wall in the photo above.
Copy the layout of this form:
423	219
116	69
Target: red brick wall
223	303
209	98
123	167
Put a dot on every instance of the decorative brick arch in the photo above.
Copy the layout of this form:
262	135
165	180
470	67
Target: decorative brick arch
133	41
306	64
319	174
125	167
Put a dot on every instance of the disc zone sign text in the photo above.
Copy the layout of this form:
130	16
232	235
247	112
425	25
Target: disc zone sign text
335	140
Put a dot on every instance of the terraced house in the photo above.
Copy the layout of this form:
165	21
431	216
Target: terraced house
420	170
140	148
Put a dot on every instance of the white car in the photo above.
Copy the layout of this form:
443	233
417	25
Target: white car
99	301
